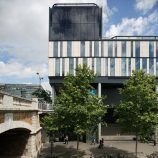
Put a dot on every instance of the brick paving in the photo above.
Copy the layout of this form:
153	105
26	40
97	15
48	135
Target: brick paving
86	150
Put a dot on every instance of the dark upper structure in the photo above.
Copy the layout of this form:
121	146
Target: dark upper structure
75	22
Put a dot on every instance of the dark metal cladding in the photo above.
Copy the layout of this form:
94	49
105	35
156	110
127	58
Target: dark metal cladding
76	22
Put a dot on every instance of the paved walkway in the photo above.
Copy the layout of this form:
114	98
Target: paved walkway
61	150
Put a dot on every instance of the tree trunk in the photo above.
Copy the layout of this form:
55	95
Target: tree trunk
77	142
136	144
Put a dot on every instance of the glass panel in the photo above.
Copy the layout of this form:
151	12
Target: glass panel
71	65
76	62
63	66
137	63
96	48
110	50
55	49
98	66
93	64
123	67
61	49
144	64
82	48
69	51
151	66
57	67
90	48
85	61
115	49
112	67
157	49
106	66
123	48
131	48
137	48
102	48
129	66
151	49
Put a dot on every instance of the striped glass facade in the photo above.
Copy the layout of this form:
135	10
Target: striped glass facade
107	58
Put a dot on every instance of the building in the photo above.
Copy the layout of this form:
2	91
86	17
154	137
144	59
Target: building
21	90
75	38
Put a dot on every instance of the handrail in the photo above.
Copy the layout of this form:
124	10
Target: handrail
74	4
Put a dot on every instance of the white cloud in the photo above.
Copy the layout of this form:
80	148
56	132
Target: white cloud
145	5
135	26
20	71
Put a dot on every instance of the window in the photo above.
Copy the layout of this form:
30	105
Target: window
85	61
102	48
96	48
55	49
110	50
131	48
129	66
57	67
151	66
123	48
137	63
93	64
61	48
151	49
137	48
69	51
71	65
106	66
63	66
98	67
82	48
112	67
123	67
144	64
90	48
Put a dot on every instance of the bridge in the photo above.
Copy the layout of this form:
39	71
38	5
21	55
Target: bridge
20	131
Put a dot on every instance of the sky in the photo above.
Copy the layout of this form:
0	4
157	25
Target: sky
24	32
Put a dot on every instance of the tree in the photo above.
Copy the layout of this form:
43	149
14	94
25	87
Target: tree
137	111
75	108
41	93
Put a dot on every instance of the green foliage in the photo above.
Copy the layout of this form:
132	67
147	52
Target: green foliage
137	111
75	109
41	93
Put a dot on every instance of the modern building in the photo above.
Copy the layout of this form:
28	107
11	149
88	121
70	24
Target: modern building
21	90
75	37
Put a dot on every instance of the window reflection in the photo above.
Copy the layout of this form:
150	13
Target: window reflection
57	67
96	48
55	49
123	67
98	66
71	64
82	49
110	50
112	67
69	50
144	64
123	48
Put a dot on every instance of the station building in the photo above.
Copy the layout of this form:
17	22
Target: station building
75	37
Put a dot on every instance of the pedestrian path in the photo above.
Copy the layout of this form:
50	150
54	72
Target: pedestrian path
61	150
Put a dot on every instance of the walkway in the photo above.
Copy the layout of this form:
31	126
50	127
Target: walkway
61	150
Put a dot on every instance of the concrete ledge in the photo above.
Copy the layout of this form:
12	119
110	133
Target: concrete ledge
126	137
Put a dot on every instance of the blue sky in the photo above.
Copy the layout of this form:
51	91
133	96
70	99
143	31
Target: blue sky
24	32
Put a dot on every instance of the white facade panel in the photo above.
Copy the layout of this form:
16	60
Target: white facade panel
50	49
64	49
119	50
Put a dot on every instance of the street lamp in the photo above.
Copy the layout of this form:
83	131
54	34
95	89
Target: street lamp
40	78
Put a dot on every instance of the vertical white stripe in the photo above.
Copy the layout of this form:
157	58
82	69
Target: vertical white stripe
147	65
92	48
64	49
119	49
50	49
133	48
99	48
108	66
94	65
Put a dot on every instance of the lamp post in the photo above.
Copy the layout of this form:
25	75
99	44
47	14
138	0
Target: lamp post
40	78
